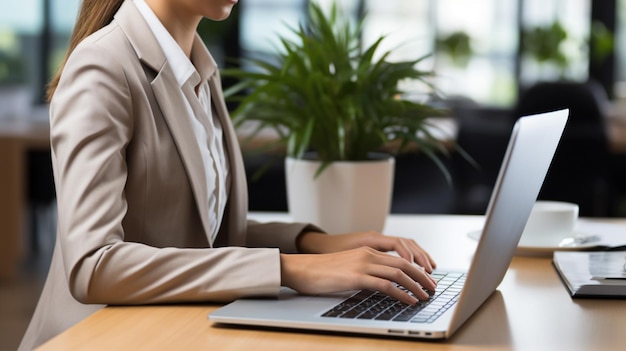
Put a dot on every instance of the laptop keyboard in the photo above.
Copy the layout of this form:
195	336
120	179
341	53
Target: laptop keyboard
367	304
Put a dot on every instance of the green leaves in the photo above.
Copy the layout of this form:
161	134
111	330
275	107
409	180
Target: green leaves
544	43
322	93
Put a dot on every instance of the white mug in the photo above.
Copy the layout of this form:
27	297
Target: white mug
549	223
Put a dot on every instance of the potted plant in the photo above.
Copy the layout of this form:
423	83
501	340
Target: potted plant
334	104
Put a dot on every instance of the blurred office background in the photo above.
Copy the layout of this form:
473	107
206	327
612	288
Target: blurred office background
494	59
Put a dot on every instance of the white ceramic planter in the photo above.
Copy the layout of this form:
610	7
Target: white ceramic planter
345	197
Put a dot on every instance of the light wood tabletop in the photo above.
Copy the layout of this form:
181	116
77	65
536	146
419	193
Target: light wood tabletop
531	310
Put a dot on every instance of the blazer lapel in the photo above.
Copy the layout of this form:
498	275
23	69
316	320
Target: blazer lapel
171	103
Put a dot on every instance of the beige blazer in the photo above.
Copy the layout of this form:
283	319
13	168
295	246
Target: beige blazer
132	202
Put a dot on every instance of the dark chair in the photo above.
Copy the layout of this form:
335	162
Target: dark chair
483	133
580	169
41	201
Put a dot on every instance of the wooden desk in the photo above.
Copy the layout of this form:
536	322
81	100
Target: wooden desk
16	138
530	311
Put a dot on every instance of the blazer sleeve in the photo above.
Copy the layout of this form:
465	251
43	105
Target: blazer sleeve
91	125
278	234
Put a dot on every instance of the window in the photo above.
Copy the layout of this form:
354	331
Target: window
569	57
25	62
486	74
20	25
488	69
262	20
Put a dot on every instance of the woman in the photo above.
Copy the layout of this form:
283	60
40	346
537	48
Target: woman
151	189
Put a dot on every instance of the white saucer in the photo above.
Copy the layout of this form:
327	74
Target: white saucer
548	246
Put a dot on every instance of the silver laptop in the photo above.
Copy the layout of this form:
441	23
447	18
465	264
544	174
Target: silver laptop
459	294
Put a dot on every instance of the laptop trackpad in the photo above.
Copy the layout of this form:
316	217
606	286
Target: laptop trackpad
288	304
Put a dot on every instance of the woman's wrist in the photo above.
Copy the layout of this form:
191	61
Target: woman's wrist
285	270
293	268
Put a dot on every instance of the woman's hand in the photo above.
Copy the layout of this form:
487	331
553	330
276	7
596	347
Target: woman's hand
354	269
408	249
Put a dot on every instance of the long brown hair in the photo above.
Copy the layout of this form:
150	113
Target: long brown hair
93	15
